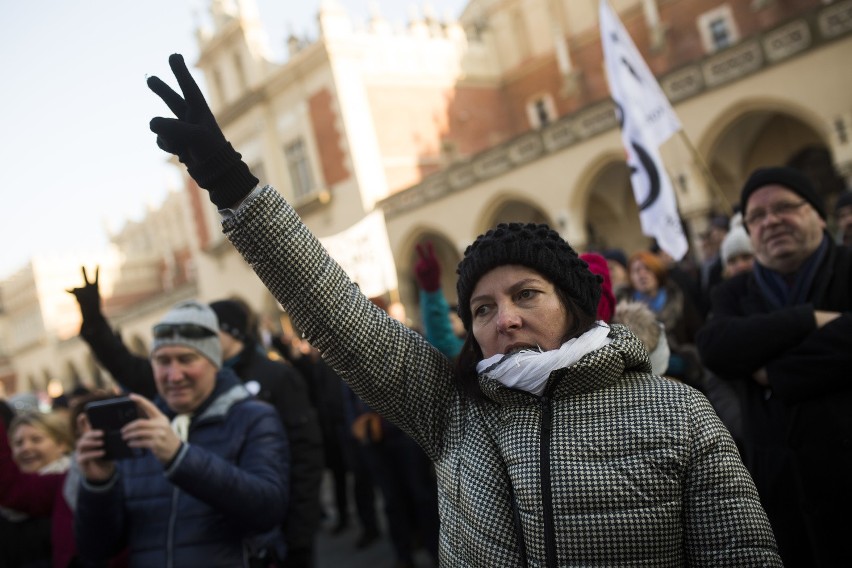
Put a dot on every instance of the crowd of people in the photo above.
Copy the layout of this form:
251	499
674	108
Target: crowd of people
610	408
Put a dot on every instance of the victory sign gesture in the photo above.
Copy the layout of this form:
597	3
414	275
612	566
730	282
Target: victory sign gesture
198	142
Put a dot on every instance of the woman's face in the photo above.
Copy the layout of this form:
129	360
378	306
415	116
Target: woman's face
642	279
515	307
33	448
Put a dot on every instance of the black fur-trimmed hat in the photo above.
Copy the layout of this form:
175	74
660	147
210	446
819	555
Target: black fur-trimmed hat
535	246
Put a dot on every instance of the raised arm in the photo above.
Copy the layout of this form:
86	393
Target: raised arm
390	366
131	371
435	312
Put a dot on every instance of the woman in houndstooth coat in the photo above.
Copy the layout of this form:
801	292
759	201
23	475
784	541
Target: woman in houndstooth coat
553	443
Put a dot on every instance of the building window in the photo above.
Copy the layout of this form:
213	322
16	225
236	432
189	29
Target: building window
719	33
718	29
300	169
541	111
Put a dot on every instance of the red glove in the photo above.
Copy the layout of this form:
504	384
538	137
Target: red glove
426	269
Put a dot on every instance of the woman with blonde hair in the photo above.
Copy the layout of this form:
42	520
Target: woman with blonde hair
39	482
650	284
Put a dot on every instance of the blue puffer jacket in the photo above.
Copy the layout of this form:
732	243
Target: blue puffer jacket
225	492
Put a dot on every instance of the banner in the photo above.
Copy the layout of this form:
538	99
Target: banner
364	254
647	120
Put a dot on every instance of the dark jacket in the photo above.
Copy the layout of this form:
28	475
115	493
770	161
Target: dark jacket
799	431
278	384
284	388
614	466
226	488
133	372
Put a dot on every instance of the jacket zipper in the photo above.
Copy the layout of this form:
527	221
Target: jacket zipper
170	542
549	530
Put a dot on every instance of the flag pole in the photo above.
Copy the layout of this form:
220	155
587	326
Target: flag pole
705	172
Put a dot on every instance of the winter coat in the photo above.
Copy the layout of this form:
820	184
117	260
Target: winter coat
225	490
798	432
283	387
276	383
612	465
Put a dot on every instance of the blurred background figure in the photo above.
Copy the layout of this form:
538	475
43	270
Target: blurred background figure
737	253
843	218
616	262
650	284
711	261
441	325
598	265
343	458
37	448
643	323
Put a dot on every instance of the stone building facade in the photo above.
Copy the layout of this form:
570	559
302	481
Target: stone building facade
448	127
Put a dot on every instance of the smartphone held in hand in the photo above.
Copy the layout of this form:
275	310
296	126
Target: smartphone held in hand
110	416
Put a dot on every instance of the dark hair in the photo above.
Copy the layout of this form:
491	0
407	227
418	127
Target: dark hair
471	354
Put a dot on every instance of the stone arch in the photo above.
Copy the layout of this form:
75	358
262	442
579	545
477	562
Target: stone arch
610	214
754	133
512	207
817	163
406	255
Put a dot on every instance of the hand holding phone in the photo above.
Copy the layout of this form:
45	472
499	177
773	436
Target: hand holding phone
110	416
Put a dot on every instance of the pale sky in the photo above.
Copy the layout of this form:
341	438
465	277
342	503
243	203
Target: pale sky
76	154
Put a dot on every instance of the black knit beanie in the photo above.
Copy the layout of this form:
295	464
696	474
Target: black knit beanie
535	246
233	318
791	178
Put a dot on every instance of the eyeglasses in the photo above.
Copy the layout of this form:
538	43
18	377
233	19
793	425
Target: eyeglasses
779	210
187	330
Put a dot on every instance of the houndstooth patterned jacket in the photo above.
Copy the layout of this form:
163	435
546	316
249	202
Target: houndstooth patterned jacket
613	467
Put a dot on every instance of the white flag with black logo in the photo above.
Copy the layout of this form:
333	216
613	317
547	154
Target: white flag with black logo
647	120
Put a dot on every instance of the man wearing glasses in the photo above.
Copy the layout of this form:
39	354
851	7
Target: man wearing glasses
783	332
212	487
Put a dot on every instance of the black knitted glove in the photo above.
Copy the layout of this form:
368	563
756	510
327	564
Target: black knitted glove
197	141
89	297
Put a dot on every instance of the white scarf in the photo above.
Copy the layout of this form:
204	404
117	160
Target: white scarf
529	369
180	425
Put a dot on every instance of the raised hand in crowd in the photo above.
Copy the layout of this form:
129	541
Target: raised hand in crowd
88	295
196	139
427	270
